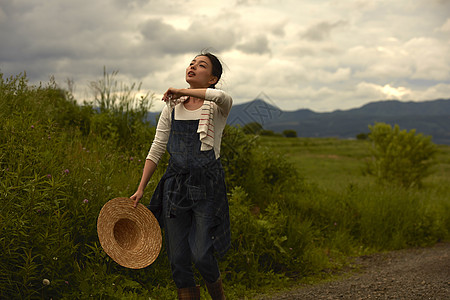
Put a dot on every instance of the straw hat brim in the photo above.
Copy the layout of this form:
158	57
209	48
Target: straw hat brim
130	236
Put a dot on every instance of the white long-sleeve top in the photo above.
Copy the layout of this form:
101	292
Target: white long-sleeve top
221	102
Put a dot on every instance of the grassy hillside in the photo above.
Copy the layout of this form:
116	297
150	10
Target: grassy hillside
337	168
330	163
334	164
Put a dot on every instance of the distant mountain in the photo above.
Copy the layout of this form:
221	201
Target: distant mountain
427	117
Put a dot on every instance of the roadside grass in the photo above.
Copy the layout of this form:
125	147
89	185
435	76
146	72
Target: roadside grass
355	215
386	214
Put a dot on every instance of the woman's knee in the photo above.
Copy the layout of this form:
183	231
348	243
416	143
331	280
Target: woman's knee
202	255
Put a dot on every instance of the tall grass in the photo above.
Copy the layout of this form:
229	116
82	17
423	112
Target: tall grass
292	216
380	217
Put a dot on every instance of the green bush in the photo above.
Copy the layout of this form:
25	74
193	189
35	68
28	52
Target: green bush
252	128
263	174
400	157
362	136
123	111
290	133
56	172
267	132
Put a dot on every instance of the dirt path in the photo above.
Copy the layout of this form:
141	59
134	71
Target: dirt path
421	273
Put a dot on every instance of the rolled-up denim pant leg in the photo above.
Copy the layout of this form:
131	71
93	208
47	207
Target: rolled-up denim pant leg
177	236
202	248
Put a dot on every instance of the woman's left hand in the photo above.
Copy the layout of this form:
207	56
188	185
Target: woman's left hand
172	94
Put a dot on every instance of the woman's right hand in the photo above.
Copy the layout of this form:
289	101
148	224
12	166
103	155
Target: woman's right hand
136	197
172	94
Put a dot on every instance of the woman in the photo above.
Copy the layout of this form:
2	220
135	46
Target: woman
190	201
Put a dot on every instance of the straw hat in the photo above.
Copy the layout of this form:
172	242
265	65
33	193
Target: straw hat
130	236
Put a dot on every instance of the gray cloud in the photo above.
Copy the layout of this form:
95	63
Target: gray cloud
247	2
65	31
132	4
321	64
169	40
278	29
75	39
322	30
256	45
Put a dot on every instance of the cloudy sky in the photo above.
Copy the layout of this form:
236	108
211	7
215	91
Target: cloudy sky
318	54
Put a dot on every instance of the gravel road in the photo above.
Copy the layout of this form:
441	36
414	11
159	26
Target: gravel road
419	273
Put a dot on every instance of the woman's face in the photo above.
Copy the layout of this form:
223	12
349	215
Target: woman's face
199	73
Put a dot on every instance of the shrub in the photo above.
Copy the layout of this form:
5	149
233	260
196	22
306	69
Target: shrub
56	171
362	136
400	157
252	128
267	132
121	111
290	133
263	174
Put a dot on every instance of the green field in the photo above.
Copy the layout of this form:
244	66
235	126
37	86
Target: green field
334	164
330	163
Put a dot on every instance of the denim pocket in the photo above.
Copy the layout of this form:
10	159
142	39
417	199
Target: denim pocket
196	193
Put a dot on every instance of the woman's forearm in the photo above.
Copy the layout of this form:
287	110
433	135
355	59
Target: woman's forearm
149	169
173	93
196	93
222	99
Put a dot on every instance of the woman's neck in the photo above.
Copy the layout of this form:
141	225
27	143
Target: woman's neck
194	100
193	103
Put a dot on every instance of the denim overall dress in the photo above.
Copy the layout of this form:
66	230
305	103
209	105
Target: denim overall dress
190	202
